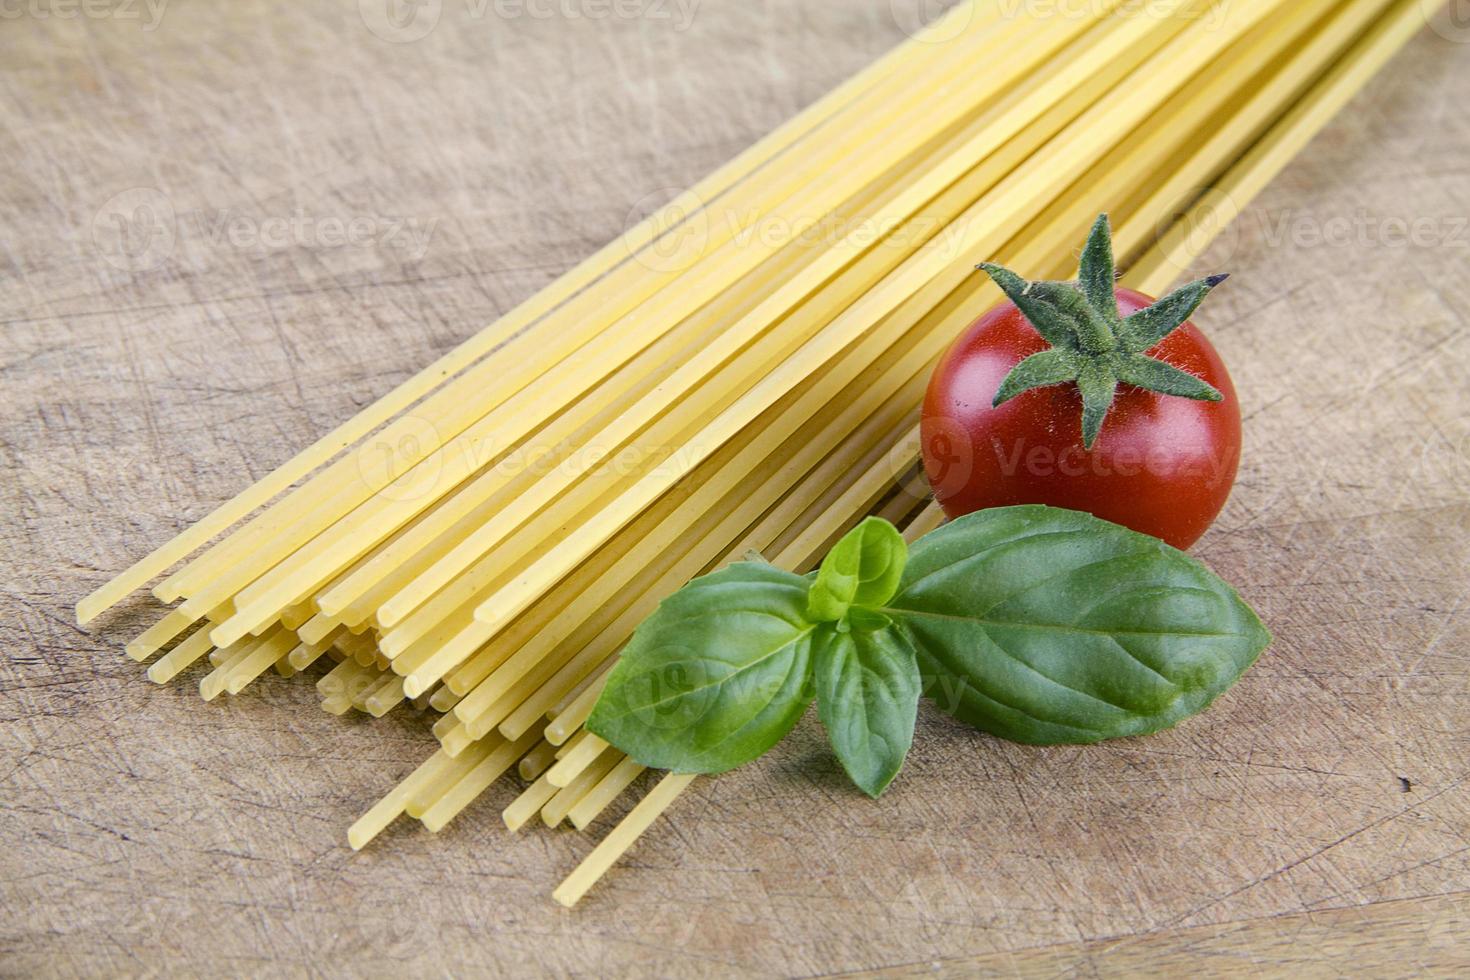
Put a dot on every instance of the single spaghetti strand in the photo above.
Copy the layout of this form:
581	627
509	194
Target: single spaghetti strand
557	808
525	807
573	746
153	639
571	696
623	836
386	697
575	716
181	657
931	519
307	654
535	763
590	807
568	767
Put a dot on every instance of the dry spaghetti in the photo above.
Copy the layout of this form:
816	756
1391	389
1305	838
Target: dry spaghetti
481	542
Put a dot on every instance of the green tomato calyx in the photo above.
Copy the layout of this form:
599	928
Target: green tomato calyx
1092	344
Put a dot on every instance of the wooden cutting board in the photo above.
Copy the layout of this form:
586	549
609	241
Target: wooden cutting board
227	227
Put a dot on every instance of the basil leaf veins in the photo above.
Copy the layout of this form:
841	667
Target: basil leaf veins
862	570
716	676
1049	626
868	688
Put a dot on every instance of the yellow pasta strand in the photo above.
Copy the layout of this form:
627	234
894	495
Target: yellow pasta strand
571	765
537	761
616	844
590	807
525	807
557	808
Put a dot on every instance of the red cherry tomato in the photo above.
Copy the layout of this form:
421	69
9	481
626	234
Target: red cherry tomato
1162	465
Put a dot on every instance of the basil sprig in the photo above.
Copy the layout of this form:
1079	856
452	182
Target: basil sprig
1038	625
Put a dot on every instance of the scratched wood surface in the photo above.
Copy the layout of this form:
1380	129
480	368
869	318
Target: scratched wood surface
228	226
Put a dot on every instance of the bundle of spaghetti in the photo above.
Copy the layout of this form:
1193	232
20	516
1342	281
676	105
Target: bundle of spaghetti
859	393
1186	233
499	406
239	560
617	773
699	393
969	16
509	814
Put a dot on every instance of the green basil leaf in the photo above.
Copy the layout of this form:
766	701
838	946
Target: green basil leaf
864	569
1054	627
868	688
716	676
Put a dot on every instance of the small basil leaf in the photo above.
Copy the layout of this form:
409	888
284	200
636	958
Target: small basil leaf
863	569
1053	627
716	676
868	688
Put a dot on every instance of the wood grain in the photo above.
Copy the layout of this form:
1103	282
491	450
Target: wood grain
1410	938
179	316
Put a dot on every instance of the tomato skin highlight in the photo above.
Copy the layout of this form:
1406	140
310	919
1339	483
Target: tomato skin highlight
1162	465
